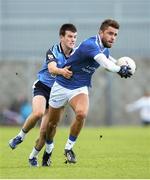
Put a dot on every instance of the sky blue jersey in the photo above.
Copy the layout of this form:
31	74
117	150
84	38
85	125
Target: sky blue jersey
83	64
54	54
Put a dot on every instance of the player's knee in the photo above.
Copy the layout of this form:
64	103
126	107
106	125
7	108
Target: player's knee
52	125
81	115
38	114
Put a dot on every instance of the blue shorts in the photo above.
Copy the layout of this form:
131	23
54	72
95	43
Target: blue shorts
41	89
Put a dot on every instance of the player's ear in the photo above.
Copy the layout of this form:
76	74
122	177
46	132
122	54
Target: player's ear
61	36
100	32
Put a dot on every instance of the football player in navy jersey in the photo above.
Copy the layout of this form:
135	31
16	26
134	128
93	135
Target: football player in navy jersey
56	57
91	54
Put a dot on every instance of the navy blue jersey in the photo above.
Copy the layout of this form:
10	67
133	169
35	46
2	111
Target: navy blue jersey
83	64
54	54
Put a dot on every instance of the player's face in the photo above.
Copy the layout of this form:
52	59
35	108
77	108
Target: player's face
69	39
108	36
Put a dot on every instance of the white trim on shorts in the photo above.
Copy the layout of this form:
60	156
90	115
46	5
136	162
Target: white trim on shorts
60	95
33	86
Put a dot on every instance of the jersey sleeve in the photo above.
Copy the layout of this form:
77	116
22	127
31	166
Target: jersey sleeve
49	56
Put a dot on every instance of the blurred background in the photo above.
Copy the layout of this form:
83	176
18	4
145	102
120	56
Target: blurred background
28	28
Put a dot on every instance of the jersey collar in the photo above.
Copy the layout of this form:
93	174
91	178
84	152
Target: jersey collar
100	42
61	50
102	48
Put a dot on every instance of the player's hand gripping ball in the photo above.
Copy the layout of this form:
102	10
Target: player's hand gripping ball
128	62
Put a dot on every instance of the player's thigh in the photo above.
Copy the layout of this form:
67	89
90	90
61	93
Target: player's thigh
39	104
80	102
54	114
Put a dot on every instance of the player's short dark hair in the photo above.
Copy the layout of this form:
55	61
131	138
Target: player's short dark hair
109	22
67	27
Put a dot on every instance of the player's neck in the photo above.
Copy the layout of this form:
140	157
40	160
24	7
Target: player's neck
66	51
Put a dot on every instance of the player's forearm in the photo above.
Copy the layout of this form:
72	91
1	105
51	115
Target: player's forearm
106	63
56	71
112	59
53	69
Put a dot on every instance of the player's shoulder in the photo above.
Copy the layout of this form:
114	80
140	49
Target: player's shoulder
50	53
90	42
90	39
54	50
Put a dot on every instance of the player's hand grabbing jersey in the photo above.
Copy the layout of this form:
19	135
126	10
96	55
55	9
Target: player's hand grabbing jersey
54	54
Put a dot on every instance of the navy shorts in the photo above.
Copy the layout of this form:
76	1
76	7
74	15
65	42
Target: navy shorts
41	89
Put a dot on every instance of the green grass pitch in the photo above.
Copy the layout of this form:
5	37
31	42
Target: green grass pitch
122	152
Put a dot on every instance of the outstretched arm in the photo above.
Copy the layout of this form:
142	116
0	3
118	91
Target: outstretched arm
123	71
106	63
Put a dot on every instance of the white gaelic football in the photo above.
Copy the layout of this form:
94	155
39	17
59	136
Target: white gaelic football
127	61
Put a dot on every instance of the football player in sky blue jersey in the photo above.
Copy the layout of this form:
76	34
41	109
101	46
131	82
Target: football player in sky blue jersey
56	57
91	54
